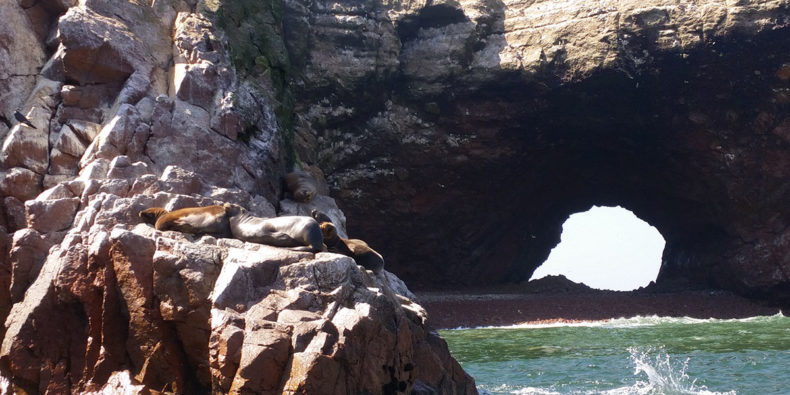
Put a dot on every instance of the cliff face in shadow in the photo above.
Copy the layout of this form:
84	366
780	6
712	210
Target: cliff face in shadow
458	136
129	105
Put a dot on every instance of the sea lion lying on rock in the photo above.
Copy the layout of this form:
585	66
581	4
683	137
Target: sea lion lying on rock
300	232
303	186
195	220
355	248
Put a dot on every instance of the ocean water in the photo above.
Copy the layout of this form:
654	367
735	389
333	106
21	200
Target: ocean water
643	355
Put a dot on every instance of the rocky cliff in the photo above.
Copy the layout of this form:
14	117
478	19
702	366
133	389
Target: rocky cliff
456	136
140	104
459	135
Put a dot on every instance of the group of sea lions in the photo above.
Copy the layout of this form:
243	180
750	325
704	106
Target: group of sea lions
302	233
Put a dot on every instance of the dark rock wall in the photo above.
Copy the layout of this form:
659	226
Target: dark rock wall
458	137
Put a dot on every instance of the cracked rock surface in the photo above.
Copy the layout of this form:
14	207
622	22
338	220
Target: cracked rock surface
478	126
139	105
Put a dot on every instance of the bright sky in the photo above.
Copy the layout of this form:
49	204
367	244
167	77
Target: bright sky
606	248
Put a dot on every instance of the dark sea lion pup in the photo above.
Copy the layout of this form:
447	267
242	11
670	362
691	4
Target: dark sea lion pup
303	186
302	233
195	220
355	248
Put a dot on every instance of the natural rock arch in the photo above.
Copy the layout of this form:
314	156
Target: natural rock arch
478	138
606	248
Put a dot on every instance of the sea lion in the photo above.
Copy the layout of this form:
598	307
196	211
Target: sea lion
302	233
303	186
195	220
355	248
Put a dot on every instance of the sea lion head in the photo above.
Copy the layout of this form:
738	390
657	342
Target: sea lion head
233	209
304	195
329	233
302	186
150	215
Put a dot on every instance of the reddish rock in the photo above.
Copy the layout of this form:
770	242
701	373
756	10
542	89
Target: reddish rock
23	56
180	181
226	120
122	167
28	250
5	277
27	147
21	183
265	353
51	215
115	137
15	213
98	49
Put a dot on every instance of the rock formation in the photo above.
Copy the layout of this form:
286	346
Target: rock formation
478	127
456	136
140	104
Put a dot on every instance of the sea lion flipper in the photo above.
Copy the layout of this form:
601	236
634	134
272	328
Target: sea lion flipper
319	216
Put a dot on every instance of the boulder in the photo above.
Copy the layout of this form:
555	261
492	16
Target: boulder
206	313
115	137
99	49
28	147
20	62
51	215
20	183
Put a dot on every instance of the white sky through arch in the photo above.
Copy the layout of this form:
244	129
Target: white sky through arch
606	248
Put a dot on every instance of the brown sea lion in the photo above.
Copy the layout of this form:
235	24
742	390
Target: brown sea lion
195	220
300	232
355	248
303	186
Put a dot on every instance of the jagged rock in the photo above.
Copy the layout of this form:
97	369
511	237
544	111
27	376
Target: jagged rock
15	213
481	125
234	307
226	120
20	62
181	181
99	49
51	215
27	147
96	170
123	168
135	88
187	140
69	146
120	383
5	276
27	253
115	137
20	183
63	190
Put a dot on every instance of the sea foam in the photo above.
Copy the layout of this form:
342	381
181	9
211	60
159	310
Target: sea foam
633	322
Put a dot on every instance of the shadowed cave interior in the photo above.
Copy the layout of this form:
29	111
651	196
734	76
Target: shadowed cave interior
686	146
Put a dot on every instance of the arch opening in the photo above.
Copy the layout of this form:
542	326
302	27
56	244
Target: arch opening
606	248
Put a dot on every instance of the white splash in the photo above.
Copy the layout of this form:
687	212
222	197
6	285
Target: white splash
5	385
664	376
633	322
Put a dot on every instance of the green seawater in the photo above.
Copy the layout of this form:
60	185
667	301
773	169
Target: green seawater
643	355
